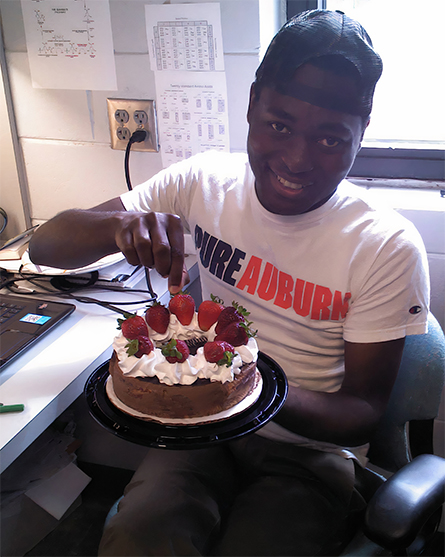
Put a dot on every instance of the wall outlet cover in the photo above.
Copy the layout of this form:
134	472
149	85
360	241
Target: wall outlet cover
125	116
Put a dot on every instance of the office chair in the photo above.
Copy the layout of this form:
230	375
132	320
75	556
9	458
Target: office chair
403	511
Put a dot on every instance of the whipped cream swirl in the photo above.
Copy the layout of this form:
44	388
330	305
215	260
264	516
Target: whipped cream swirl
195	367
177	330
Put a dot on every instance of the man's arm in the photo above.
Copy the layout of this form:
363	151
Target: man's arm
348	416
76	238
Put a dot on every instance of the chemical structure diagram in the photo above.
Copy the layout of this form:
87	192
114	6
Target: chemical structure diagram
71	43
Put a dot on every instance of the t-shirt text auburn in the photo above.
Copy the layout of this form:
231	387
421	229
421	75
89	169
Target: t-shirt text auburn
269	283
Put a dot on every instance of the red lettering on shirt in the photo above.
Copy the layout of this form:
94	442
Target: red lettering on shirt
269	282
306	298
284	294
321	302
303	297
251	275
339	307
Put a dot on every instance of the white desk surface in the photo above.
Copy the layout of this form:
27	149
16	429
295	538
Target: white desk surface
49	376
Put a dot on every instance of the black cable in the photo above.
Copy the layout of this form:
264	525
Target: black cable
4	215
67	290
137	137
65	284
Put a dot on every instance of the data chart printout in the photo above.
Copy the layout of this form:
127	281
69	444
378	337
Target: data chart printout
185	37
192	114
70	44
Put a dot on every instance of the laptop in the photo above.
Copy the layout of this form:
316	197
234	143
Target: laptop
24	320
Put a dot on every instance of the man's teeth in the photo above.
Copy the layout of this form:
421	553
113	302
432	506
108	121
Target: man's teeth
290	185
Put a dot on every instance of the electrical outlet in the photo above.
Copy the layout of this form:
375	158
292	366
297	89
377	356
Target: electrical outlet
125	116
121	116
140	117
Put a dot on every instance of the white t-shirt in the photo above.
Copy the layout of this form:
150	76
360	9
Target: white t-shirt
346	271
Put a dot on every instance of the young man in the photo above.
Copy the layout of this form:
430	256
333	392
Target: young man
333	285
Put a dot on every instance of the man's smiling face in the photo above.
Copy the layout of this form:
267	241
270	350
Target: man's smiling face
300	152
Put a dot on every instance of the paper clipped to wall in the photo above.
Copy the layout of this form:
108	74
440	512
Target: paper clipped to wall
185	37
70	44
192	114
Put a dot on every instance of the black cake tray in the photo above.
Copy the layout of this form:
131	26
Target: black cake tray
166	436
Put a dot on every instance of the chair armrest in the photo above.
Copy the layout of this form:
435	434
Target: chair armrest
401	506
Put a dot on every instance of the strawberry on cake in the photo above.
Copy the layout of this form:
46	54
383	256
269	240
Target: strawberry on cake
178	363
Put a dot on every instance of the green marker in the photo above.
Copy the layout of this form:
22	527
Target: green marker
11	408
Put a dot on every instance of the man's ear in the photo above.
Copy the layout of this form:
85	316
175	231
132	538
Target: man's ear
252	99
363	133
364	129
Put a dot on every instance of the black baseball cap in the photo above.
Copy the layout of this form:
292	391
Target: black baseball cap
315	35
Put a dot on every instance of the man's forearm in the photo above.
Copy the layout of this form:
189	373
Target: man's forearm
348	416
333	417
75	238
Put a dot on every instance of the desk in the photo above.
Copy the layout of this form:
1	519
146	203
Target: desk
51	375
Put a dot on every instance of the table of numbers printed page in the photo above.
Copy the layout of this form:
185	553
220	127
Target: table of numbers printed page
184	45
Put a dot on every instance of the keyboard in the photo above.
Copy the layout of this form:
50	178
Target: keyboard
8	310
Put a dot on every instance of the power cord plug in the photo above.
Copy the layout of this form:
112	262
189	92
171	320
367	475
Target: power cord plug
137	137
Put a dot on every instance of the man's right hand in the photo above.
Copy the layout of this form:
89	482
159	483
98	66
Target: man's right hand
154	240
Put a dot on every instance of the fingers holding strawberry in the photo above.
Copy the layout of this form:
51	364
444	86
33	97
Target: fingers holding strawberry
154	240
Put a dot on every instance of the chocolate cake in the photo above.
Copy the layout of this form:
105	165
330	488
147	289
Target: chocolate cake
203	398
194	384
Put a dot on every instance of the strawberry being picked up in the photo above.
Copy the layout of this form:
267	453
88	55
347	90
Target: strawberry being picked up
139	346
209	311
157	317
219	352
176	351
183	306
133	326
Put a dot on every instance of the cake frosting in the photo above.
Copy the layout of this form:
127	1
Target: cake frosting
184	332
186	373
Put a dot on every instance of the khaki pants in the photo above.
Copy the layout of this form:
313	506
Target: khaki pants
246	497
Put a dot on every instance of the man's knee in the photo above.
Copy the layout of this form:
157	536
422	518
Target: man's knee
158	533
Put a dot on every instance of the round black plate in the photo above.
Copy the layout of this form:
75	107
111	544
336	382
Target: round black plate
152	434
